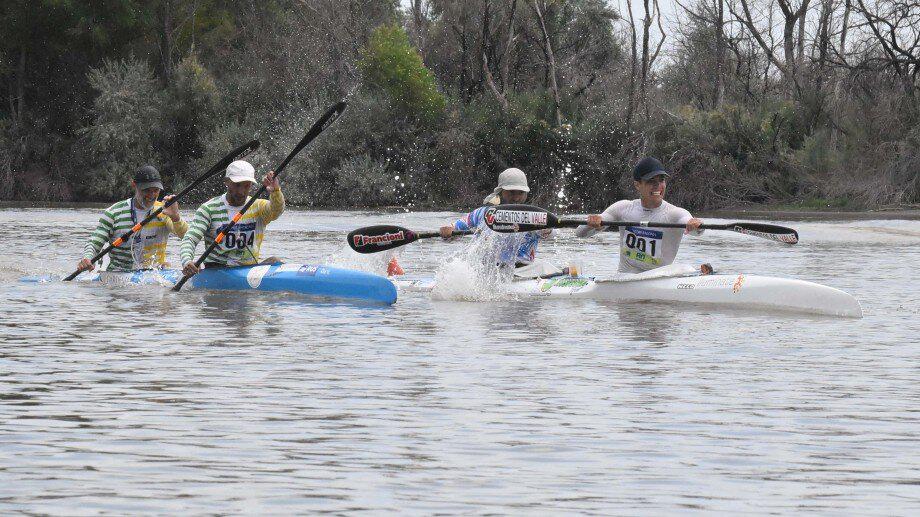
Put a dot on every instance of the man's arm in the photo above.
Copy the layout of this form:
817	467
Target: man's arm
275	199
101	236
177	228
612	213
173	220
693	224
195	233
468	222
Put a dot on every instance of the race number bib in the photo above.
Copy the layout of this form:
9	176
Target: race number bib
240	237
642	245
142	240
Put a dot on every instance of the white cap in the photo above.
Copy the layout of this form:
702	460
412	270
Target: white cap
509	179
241	171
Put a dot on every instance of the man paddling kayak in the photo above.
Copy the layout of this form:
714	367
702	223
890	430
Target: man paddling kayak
642	249
517	250
241	245
146	249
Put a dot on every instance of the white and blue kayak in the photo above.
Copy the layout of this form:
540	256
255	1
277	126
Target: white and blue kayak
684	285
313	280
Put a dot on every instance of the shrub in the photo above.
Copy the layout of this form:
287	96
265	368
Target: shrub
391	64
361	181
126	128
193	107
728	156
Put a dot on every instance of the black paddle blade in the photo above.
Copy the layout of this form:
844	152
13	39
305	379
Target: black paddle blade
246	149
382	237
767	231
237	154
326	120
519	218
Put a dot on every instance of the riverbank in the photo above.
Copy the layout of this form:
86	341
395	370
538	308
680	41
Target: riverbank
784	212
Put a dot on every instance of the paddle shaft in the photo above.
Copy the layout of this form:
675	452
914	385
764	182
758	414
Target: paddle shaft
328	118
455	233
572	223
762	230
237	153
527	218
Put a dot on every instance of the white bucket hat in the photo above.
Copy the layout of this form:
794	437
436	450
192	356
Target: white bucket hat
509	179
241	171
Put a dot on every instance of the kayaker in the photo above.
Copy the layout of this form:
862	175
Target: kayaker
642	248
241	245
146	249
514	249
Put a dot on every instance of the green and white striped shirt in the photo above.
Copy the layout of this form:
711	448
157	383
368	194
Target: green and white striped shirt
145	249
242	244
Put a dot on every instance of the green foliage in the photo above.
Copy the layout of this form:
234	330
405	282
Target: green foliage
194	102
362	181
391	64
818	154
587	31
218	73
206	24
127	124
599	172
730	155
227	134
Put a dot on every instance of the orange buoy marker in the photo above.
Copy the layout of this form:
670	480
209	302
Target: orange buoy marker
393	268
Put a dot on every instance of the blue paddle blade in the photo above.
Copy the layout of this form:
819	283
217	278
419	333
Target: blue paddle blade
40	279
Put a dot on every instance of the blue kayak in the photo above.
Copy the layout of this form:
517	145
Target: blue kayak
306	279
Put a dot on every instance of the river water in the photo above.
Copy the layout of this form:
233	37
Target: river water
140	400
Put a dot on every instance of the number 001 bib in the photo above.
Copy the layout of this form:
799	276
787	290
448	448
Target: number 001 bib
642	246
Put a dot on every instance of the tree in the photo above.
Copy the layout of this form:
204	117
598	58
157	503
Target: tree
793	40
47	44
550	59
392	65
127	125
193	106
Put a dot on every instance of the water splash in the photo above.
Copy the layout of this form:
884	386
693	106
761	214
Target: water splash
471	274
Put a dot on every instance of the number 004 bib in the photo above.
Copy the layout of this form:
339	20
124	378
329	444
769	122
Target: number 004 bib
240	236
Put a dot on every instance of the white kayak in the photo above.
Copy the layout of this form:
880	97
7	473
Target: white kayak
682	284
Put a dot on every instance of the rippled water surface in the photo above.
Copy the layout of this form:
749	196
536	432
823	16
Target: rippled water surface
140	400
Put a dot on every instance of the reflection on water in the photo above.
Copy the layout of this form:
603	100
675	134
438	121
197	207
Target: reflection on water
234	315
640	322
131	400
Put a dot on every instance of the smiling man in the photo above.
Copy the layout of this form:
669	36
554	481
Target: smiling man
642	249
145	249
241	245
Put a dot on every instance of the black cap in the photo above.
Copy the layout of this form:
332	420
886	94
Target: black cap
648	167
147	177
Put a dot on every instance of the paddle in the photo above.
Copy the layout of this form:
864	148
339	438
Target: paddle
528	218
324	121
236	154
382	237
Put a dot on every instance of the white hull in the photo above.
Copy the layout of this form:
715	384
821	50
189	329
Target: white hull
735	291
741	291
